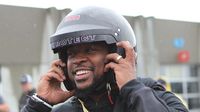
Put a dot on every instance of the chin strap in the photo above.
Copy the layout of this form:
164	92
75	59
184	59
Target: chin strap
108	87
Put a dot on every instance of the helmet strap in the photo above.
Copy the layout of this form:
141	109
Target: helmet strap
109	93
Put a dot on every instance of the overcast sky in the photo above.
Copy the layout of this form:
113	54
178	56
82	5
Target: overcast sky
184	10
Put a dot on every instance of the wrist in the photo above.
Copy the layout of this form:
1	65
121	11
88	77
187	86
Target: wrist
44	101
38	104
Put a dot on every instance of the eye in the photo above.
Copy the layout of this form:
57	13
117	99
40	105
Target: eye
90	50
70	53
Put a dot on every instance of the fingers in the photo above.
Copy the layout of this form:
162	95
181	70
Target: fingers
129	51
114	57
56	70
114	60
130	54
57	63
52	75
110	65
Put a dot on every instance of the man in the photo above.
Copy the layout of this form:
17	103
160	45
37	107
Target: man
98	67
27	89
3	106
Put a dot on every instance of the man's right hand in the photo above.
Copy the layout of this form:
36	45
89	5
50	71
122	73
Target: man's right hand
49	87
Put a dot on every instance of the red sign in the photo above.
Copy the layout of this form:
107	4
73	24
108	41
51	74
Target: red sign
183	56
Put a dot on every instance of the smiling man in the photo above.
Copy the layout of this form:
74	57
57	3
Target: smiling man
97	65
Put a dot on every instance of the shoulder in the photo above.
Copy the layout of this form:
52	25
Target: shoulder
149	82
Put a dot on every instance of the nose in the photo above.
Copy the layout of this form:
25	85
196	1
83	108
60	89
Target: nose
79	59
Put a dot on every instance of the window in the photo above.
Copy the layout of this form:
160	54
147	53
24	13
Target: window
193	103
177	87
193	87
184	80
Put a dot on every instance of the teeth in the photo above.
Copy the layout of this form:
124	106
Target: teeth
82	72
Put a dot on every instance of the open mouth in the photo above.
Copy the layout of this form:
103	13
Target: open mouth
81	75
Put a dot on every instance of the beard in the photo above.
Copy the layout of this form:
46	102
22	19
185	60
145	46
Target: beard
96	88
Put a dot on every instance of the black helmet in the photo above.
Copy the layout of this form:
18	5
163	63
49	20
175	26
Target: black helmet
92	24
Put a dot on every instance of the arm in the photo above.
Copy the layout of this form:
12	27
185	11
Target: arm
137	95
141	98
49	91
34	105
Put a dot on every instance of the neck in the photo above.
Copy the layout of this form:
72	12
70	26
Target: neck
98	97
99	88
96	89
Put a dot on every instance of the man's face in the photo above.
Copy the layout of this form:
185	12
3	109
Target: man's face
86	63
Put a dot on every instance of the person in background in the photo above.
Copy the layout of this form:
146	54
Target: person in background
3	105
27	89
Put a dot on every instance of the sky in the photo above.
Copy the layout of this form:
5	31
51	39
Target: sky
181	10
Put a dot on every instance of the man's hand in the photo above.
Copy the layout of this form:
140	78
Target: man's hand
124	68
49	84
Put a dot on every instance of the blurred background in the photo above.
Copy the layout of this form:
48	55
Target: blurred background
167	33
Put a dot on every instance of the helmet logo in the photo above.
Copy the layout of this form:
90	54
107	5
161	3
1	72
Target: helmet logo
73	40
72	18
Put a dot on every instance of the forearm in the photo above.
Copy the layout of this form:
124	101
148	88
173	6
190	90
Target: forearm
33	105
